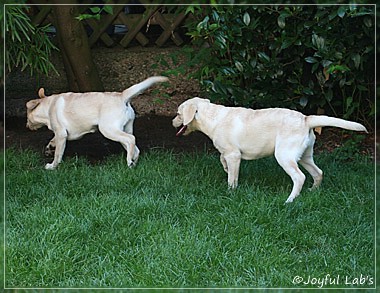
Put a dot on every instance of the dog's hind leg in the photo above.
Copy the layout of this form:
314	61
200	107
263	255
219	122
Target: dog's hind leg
224	163
127	140
128	127
307	162
289	163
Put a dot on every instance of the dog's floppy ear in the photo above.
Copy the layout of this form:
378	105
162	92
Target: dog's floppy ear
189	114
32	104
41	93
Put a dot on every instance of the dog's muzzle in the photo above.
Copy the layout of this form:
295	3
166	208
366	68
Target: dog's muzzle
32	126
28	125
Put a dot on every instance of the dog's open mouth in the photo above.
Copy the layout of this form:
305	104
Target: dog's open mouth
181	130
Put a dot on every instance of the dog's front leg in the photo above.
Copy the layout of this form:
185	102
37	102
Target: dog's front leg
233	165
60	144
50	148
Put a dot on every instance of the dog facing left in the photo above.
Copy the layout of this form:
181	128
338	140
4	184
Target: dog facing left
72	115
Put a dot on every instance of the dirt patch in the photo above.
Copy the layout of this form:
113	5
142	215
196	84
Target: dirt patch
151	131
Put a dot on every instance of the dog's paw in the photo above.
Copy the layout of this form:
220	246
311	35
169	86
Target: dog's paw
289	200
50	166
132	163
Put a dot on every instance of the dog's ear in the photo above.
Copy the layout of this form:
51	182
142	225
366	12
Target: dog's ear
189	114
41	93
32	104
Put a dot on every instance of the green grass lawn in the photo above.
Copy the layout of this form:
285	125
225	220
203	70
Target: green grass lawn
172	222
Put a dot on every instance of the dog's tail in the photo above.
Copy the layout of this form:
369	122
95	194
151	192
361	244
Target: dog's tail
137	89
314	121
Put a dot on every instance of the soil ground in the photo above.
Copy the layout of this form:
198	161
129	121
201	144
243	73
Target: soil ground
151	131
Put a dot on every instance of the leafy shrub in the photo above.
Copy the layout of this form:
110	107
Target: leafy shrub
27	46
300	57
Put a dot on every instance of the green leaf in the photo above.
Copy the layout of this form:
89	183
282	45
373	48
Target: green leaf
190	9
292	80
329	95
337	68
203	24
218	87
281	21
311	60
84	16
308	91
315	67
221	41
215	15
286	43
362	88
341	11
108	9
318	42
263	57
356	58
338	55
95	9
214	26
326	63
348	102
239	66
246	19
303	101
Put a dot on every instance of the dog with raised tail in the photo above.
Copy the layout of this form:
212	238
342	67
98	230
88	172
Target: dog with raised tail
72	115
240	133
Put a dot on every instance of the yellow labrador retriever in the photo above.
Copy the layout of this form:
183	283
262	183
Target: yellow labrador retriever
72	115
240	133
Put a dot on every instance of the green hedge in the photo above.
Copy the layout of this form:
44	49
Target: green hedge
300	57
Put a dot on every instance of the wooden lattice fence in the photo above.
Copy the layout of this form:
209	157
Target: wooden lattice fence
130	22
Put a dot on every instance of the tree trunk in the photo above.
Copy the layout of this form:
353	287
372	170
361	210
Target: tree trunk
81	71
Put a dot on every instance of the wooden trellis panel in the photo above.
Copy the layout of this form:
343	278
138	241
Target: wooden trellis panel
137	24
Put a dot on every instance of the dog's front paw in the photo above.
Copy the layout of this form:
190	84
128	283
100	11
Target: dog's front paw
289	200
50	166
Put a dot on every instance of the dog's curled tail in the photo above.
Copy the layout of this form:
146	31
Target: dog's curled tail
137	89
314	121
